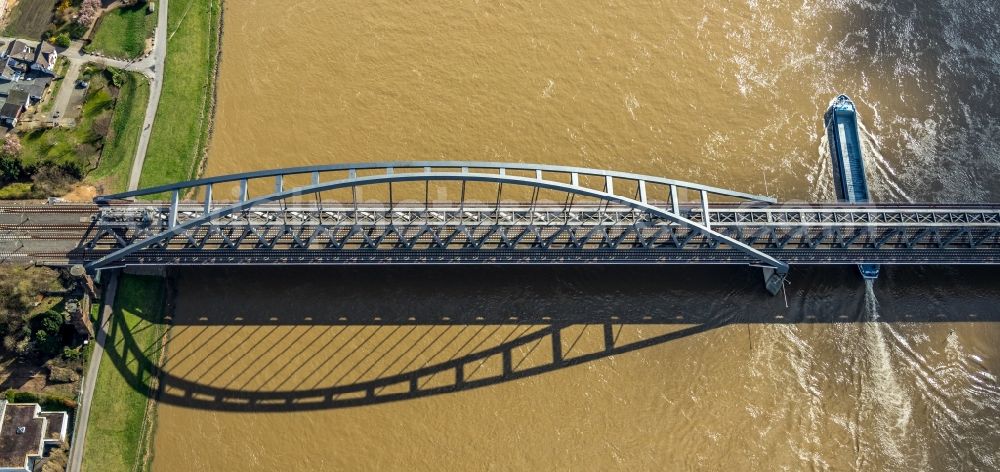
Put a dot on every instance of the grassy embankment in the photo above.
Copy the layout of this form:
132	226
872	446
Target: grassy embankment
118	430
122	140
180	131
123	32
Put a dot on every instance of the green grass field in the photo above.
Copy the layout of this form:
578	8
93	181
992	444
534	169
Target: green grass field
30	18
76	147
117	432
112	172
180	131
122	32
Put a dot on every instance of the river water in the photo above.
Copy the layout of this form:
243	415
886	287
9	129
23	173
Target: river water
704	370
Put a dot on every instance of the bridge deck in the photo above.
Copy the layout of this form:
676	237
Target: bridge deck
508	234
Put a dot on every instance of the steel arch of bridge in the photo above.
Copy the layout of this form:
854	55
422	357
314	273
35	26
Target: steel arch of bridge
429	171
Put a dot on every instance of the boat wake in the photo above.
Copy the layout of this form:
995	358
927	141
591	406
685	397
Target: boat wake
888	406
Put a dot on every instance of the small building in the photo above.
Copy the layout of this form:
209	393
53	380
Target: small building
21	51
45	60
17	102
21	57
27	434
10	113
32	88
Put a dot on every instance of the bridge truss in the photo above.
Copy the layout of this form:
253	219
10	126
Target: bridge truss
598	217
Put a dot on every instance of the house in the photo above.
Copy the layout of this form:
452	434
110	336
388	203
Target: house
26	70
22	56
17	101
45	60
33	88
19	57
27	434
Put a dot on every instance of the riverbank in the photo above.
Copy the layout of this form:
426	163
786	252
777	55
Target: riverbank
120	426
183	120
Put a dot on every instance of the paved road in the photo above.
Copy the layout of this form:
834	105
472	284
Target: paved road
158	56
75	461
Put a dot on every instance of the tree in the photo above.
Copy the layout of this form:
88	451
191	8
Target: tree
11	169
20	286
11	146
88	12
52	179
62	40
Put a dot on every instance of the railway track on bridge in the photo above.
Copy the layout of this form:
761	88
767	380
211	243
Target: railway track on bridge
587	216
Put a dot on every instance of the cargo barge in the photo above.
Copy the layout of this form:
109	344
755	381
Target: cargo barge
849	179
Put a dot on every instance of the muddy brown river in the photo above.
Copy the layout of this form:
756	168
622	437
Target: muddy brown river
600	368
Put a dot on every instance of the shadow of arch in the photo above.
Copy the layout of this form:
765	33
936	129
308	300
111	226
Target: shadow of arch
549	341
176	390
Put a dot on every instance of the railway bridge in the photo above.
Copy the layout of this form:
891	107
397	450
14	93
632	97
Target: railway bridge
454	212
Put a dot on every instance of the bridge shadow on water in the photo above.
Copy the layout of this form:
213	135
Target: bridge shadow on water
291	339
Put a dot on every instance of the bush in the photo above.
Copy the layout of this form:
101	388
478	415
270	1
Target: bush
52	180
48	401
48	327
63	40
47	343
11	169
118	76
17	191
76	30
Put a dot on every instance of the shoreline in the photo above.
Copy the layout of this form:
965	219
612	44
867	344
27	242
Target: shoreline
181	129
214	93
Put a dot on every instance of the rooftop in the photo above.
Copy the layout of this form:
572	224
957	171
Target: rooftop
10	110
17	444
22	51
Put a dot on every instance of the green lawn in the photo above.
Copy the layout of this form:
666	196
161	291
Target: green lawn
115	165
117	432
77	147
122	32
180	131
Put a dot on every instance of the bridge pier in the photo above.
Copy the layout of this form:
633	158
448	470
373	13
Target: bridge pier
773	281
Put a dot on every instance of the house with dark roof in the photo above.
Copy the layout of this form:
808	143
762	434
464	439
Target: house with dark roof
21	51
17	102
26	70
45	60
27	434
21	57
33	88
